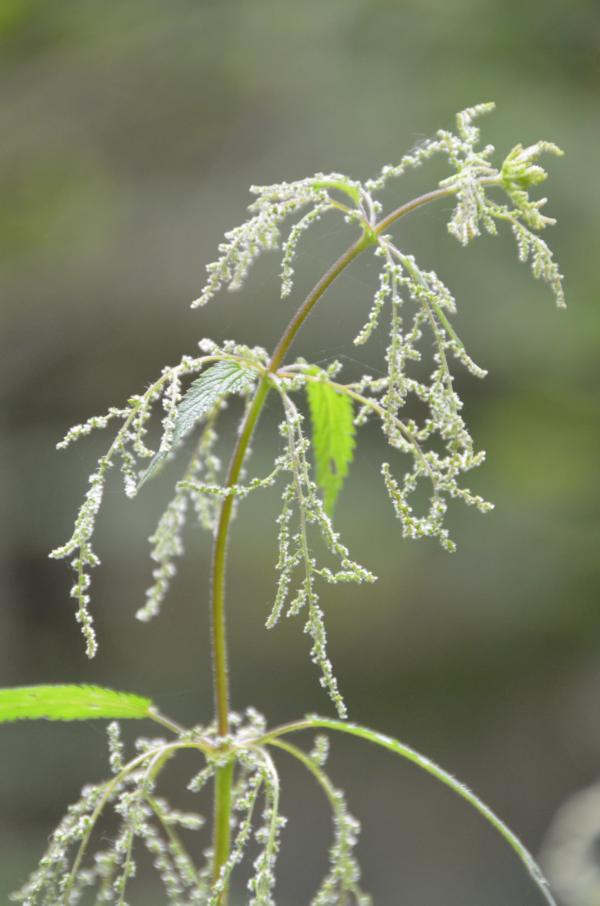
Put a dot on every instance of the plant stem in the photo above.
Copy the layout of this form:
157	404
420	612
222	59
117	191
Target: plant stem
219	641
224	774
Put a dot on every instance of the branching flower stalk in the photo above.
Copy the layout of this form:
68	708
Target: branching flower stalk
435	451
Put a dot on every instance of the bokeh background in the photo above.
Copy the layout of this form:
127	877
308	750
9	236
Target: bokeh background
131	130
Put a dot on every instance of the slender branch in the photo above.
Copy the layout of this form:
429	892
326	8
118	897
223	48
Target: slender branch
222	821
435	195
336	804
400	748
155	715
219	643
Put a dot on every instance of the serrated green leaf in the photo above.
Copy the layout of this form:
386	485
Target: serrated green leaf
216	382
70	703
333	432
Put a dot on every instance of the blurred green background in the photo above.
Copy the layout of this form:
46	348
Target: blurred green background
131	130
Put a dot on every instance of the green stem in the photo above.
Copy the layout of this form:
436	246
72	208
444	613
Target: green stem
222	820
219	640
224	775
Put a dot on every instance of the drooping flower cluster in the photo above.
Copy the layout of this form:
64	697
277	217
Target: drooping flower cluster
66	871
342	879
301	499
261	233
238	368
72	867
519	173
402	279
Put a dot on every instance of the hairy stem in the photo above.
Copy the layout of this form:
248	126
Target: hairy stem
224	775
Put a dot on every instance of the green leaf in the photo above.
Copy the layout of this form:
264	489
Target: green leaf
333	433
202	395
70	703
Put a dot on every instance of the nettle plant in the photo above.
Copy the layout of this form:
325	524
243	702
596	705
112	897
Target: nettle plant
238	751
